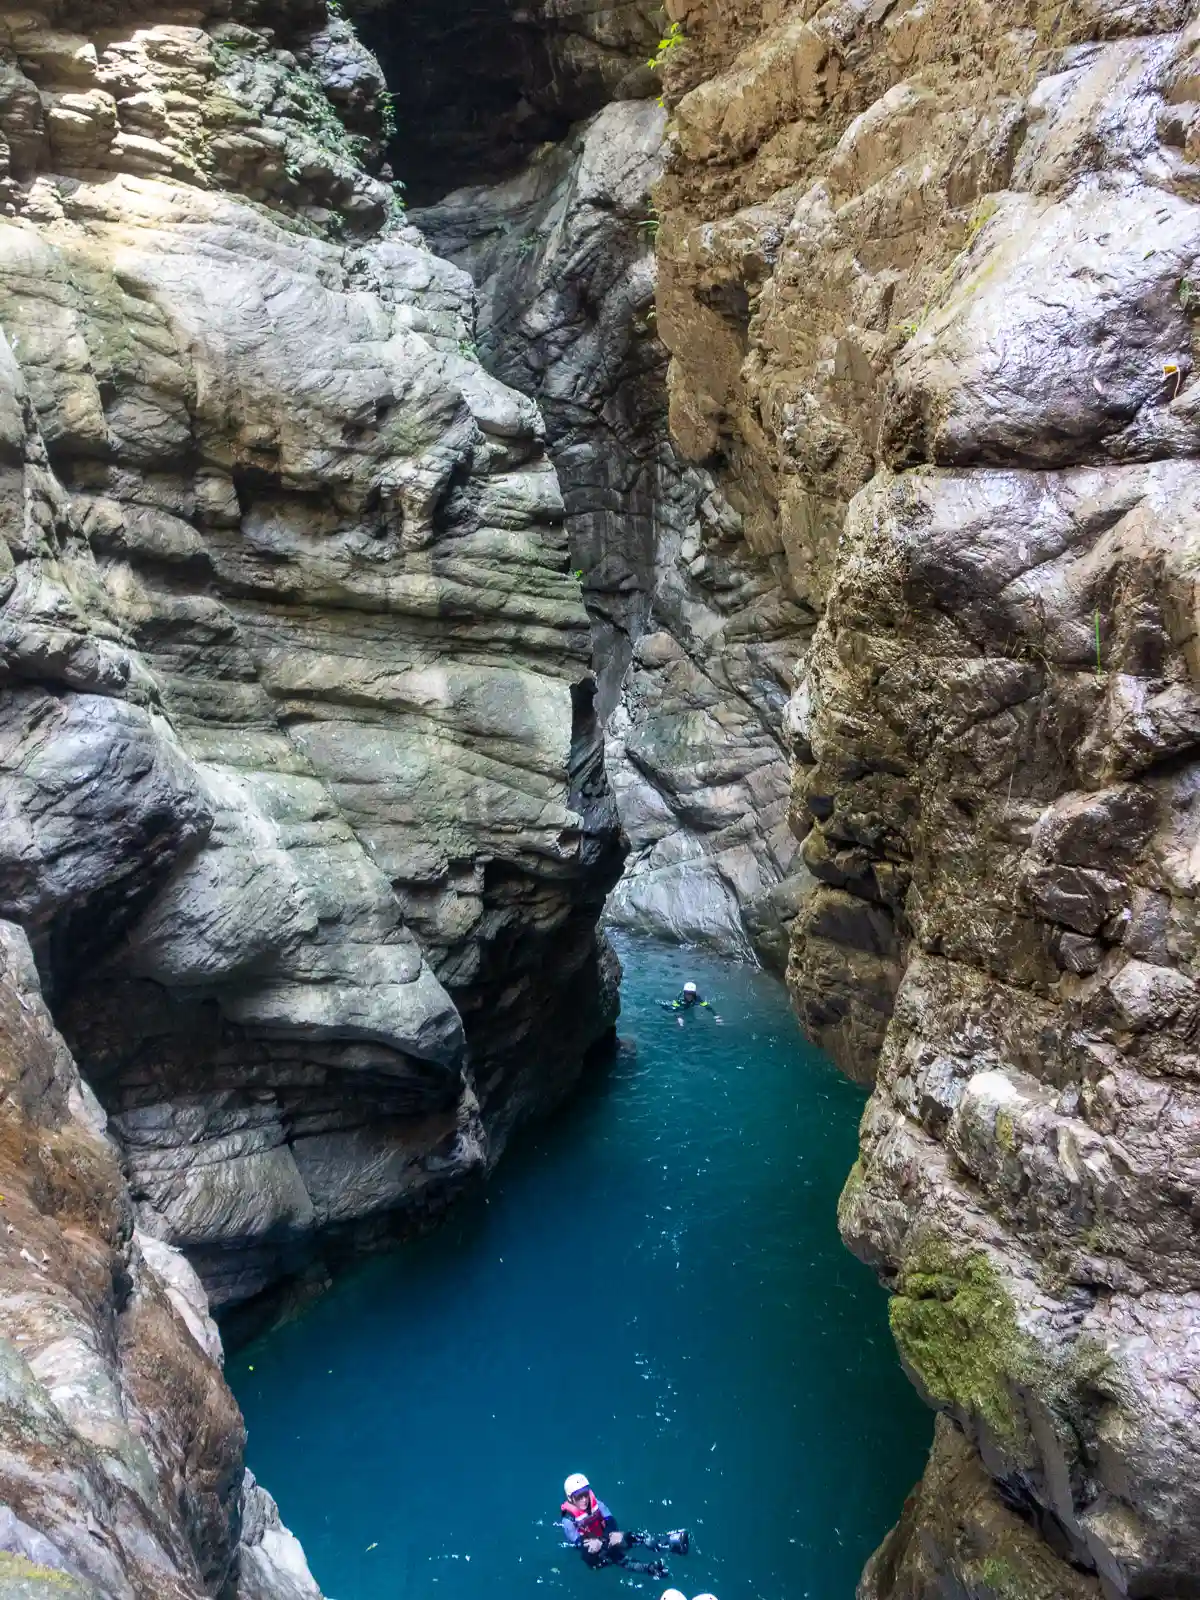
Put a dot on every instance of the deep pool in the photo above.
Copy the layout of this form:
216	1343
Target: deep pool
653	1293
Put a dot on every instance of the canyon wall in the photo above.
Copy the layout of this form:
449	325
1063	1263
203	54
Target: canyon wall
695	636
305	811
304	825
927	277
120	1445
333	562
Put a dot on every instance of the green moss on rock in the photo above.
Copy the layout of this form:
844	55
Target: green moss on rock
851	1189
1003	1579
1025	1574
24	1580
956	1328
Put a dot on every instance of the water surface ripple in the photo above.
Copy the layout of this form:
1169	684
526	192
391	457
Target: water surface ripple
654	1293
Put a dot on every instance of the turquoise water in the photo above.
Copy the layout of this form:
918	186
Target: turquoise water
653	1293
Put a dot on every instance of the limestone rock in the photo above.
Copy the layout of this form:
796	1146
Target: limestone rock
305	810
958	1536
272	1564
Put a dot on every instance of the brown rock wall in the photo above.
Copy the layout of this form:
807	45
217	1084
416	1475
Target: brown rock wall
927	283
120	1444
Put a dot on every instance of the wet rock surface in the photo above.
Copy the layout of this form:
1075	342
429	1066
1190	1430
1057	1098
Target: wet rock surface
927	284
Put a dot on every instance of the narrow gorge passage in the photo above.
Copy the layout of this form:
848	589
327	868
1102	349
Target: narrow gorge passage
653	1292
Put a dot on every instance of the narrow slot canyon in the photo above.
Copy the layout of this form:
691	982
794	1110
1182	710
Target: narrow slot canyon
510	506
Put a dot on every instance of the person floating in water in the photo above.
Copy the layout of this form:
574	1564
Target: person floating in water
688	997
590	1526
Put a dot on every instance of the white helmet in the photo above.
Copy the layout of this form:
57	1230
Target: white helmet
673	1594
574	1483
704	1597
690	988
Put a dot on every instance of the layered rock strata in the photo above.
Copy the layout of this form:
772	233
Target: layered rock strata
121	1473
694	641
927	278
304	805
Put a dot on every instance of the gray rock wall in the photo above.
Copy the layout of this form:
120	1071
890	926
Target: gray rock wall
694	641
303	795
304	828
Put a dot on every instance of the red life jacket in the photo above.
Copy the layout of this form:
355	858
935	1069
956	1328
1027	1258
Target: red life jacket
589	1521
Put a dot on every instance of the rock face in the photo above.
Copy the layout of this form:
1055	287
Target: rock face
304	828
120	1445
480	85
694	641
927	279
304	805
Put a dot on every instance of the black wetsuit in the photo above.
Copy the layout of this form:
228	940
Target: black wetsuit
605	1524
684	1001
618	1556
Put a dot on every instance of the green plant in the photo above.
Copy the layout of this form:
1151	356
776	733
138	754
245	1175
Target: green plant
1003	1579
578	574
651	225
397	212
226	56
387	116
304	100
1189	295
671	40
982	214
469	349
